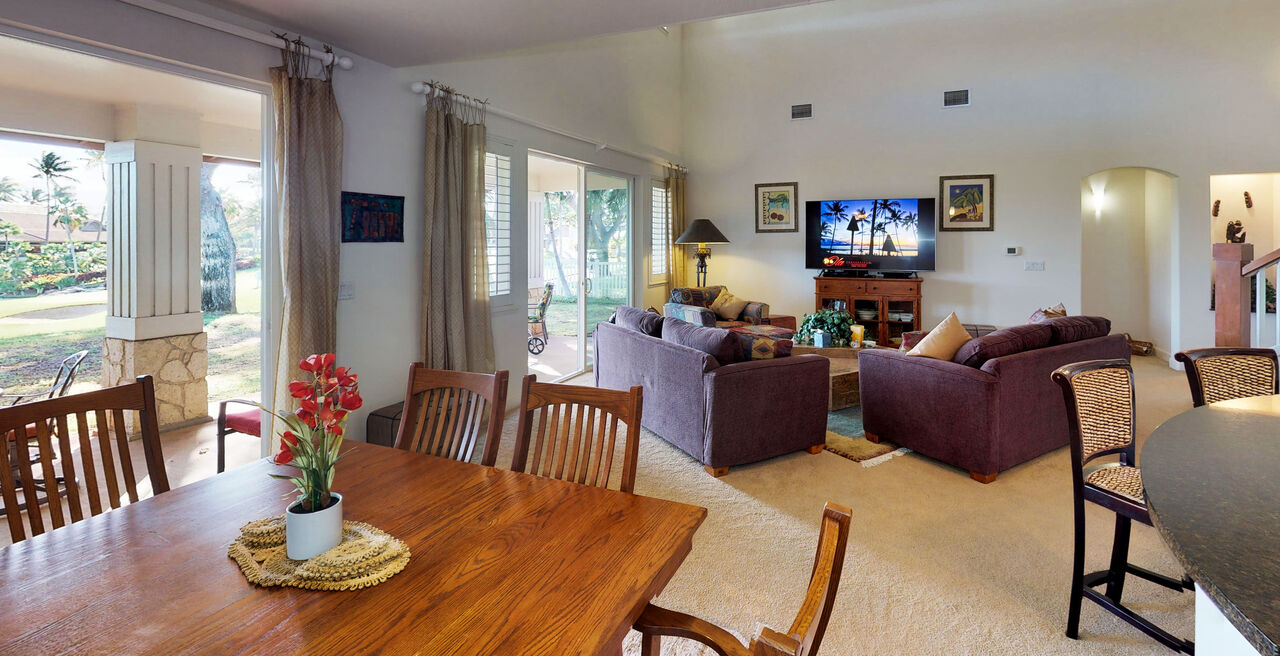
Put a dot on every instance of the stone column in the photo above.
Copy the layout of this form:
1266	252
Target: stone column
154	322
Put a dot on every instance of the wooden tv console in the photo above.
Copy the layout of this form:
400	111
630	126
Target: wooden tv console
895	302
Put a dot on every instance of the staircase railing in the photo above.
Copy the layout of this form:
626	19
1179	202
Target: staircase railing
1240	295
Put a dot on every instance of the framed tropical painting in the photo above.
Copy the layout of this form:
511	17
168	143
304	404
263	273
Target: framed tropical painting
776	207
968	202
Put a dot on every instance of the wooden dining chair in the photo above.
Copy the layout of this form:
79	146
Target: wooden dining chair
805	636
84	425
1101	419
576	433
445	411
1230	372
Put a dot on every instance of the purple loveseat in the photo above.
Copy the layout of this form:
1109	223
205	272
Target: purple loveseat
722	415
985	418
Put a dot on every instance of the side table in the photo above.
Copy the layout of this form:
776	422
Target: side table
783	321
844	389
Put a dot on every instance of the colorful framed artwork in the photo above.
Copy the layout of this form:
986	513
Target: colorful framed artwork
372	217
777	207
968	202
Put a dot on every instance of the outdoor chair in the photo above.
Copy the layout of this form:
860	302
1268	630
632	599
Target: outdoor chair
538	320
1232	372
62	381
1100	413
247	422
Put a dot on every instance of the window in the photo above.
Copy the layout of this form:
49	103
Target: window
497	222
659	233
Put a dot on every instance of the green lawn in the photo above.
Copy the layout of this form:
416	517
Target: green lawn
562	314
32	347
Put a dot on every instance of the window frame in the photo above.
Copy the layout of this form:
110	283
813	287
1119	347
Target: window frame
493	251
656	279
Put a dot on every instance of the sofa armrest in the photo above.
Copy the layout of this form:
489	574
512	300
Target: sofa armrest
755	313
696	315
941	409
765	408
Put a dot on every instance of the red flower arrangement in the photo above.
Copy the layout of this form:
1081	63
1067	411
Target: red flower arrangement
315	429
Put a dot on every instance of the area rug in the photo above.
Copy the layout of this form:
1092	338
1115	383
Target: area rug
846	439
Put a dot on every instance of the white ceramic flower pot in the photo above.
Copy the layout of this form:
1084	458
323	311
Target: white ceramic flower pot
311	534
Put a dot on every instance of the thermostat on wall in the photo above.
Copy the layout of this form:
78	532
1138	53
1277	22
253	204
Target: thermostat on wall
1013	250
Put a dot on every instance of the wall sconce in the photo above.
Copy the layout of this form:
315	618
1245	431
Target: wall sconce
1099	200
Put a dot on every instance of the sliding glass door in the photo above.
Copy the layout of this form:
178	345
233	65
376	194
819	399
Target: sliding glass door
606	260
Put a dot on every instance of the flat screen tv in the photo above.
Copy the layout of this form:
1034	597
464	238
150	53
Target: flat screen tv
885	234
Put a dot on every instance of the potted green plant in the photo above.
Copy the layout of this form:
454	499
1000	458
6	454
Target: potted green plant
313	522
836	323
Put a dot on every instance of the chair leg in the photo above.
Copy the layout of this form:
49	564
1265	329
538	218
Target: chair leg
1077	580
650	645
1119	559
222	444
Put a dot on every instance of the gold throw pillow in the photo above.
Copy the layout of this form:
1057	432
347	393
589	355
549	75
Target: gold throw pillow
943	341
727	306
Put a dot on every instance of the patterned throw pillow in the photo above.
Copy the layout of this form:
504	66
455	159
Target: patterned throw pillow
1045	314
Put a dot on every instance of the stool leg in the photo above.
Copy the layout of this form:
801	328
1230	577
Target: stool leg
1119	559
1077	578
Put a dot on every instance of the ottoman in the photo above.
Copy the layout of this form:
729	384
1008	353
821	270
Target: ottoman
762	342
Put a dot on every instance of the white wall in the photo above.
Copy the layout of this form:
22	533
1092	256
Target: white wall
1162	215
1060	89
1114	254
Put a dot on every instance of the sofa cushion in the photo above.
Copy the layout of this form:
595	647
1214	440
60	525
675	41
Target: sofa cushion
943	341
649	323
1078	328
719	343
1000	343
727	306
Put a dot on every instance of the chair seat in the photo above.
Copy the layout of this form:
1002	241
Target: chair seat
248	422
1121	480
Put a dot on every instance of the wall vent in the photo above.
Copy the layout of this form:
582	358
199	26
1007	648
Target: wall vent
957	98
801	111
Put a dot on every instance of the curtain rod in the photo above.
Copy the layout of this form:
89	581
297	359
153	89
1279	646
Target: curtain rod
423	87
194	18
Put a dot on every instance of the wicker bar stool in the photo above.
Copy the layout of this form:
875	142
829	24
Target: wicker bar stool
1230	372
1100	413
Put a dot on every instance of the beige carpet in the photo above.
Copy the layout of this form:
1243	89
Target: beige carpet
936	562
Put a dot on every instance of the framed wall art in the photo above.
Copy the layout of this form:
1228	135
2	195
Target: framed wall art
777	207
372	217
968	202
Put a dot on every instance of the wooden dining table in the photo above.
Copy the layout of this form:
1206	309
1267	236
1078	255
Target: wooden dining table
502	563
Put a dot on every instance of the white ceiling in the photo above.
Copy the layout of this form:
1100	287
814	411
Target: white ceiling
68	74
412	32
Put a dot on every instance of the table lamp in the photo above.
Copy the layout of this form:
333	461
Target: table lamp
702	232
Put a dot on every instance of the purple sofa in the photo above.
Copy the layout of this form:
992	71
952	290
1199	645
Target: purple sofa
989	414
722	415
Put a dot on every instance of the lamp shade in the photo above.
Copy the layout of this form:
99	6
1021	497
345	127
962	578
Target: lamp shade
702	231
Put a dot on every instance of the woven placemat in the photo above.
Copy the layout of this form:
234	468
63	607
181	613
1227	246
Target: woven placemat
366	557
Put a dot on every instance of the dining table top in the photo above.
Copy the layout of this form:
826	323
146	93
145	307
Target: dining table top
1210	477
501	562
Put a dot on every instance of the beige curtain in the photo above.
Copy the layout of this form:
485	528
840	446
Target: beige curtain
308	141
455	268
678	259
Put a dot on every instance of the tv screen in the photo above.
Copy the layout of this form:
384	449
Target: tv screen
884	234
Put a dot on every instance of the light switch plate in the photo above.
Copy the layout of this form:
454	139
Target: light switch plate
1033	266
346	291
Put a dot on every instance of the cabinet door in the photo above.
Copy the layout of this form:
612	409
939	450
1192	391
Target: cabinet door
832	301
867	312
902	314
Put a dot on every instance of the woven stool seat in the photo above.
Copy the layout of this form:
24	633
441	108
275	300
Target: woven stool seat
1123	480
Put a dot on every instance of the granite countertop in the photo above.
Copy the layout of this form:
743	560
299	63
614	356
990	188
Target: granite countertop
1212	480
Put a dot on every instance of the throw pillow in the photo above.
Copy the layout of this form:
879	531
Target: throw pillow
943	341
1044	314
649	323
1078	328
716	342
1000	343
727	306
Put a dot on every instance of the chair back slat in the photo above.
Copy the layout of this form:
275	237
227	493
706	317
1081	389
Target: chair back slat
69	470
445	412
45	453
572	445
55	490
90	470
1226	373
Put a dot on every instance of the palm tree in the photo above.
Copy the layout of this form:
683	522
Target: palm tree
50	166
879	207
97	159
838	212
8	189
34	196
969	199
71	214
8	230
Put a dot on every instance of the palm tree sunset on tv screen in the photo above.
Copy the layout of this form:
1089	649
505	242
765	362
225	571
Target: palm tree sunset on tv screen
885	227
